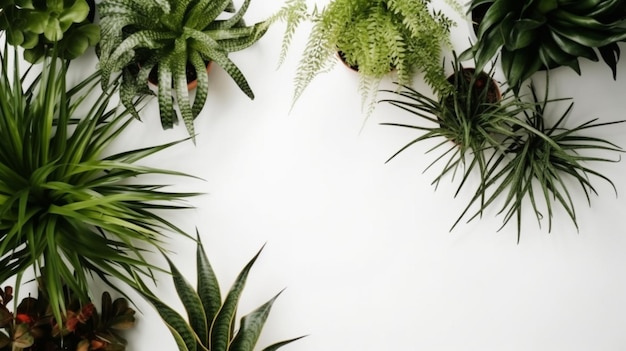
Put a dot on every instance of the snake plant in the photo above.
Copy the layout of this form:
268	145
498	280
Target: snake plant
172	37
538	34
65	204
211	322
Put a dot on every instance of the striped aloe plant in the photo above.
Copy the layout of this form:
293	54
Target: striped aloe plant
211	323
174	35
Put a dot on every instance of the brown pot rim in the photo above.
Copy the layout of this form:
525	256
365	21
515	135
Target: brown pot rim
190	85
492	82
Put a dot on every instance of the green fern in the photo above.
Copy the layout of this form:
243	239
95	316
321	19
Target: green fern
377	36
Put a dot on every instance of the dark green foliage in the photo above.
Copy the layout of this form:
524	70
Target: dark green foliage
539	34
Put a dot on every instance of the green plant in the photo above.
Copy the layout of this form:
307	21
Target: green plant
539	34
468	118
38	25
377	36
175	35
65	205
212	323
32	327
541	162
509	143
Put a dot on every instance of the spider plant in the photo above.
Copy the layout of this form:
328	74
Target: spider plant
172	37
212	322
466	119
39	25
64	205
540	162
377	36
538	34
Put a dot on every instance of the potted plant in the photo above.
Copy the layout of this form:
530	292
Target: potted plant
40	25
31	326
376	36
541	161
62	201
519	154
174	37
466	117
541	34
211	322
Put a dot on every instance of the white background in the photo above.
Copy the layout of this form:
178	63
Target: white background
364	247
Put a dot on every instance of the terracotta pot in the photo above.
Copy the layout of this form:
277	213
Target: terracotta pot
342	57
192	81
493	94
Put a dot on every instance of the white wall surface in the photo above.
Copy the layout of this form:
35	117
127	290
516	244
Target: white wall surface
364	247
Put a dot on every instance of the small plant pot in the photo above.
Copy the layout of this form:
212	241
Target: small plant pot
473	95
493	93
342	57
192	78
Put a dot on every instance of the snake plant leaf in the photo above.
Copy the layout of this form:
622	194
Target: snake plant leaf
208	285
179	328
250	327
221	331
191	302
212	322
280	344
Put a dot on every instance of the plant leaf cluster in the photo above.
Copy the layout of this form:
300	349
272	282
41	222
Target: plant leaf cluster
542	162
38	25
174	36
64	205
377	36
212	322
32	327
542	34
519	153
466	115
